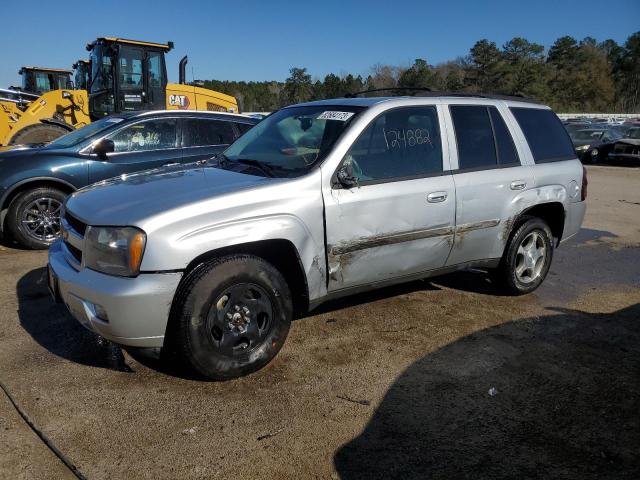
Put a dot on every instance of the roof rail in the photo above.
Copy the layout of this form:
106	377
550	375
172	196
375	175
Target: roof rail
427	92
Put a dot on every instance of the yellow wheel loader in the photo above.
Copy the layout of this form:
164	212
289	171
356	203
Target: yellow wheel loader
125	75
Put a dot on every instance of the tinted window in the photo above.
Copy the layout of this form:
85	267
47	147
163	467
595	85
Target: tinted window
243	127
198	132
545	134
400	143
474	136
507	154
150	135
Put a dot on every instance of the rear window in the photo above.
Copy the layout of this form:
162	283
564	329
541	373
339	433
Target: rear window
545	134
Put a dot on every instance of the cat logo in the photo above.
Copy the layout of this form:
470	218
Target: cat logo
180	101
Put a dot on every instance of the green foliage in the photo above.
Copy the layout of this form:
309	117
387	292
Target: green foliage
573	76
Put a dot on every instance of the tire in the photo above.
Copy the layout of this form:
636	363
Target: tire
31	208
38	133
214	334
521	271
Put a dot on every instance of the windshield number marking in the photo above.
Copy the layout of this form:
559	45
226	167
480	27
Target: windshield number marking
340	116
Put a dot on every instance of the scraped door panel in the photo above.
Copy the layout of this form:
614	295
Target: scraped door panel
388	230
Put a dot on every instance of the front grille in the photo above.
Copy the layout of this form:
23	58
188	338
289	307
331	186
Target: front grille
76	224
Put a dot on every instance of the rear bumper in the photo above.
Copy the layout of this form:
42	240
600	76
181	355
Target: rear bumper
573	220
137	308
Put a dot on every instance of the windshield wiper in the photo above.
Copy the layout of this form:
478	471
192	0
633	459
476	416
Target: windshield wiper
264	167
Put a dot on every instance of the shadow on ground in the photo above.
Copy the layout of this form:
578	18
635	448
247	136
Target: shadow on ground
52	327
566	405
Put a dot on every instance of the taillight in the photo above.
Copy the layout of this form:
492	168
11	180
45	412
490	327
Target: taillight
585	183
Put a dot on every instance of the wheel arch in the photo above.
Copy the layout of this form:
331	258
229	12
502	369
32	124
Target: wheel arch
279	252
553	213
27	184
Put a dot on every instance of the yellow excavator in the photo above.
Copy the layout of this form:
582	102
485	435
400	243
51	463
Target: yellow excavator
125	75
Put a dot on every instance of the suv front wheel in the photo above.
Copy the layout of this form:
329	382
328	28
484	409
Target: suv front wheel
233	316
527	257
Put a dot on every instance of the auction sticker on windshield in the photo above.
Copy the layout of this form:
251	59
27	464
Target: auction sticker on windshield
342	116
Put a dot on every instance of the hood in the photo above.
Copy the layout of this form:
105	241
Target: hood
130	199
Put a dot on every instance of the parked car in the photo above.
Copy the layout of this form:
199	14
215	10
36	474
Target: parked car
35	181
593	145
318	201
627	148
572	127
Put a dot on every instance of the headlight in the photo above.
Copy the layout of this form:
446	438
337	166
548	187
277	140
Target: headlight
114	250
582	148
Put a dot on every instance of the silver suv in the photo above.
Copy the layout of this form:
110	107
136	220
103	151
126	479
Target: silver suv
317	201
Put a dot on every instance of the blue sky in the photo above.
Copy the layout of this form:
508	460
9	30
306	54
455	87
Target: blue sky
261	40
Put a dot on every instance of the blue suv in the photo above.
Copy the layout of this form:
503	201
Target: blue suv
34	182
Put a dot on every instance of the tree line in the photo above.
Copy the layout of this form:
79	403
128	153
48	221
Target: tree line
572	76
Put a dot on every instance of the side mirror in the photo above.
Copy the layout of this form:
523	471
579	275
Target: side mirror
345	176
102	147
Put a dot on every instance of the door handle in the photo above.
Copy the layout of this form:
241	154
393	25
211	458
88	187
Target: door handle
437	197
518	185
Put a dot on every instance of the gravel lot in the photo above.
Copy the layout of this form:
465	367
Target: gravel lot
433	379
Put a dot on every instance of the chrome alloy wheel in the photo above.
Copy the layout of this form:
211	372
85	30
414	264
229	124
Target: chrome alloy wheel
530	258
41	219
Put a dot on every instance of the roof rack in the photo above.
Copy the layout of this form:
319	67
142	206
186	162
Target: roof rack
427	92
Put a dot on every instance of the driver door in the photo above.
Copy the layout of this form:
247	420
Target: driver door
398	219
131	92
139	146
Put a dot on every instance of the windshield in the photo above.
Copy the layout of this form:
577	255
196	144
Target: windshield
633	133
587	134
293	139
82	134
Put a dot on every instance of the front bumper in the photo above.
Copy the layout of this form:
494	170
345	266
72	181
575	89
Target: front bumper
137	308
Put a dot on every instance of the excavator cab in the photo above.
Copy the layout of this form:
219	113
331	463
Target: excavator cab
82	75
126	75
38	80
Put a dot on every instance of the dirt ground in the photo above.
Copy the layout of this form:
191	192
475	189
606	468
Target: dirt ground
434	379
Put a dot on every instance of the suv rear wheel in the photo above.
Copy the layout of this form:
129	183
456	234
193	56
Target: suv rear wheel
233	315
33	218
527	257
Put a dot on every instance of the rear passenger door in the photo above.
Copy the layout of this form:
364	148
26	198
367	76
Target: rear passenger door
398	220
202	138
488	178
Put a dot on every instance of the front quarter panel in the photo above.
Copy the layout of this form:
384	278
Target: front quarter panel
291	210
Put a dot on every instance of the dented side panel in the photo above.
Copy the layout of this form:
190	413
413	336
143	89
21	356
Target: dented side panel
376	232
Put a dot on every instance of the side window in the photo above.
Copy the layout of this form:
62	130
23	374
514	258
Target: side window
244	127
155	69
507	154
547	138
150	135
474	136
200	132
397	144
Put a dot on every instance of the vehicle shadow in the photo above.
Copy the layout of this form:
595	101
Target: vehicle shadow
556	396
51	326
